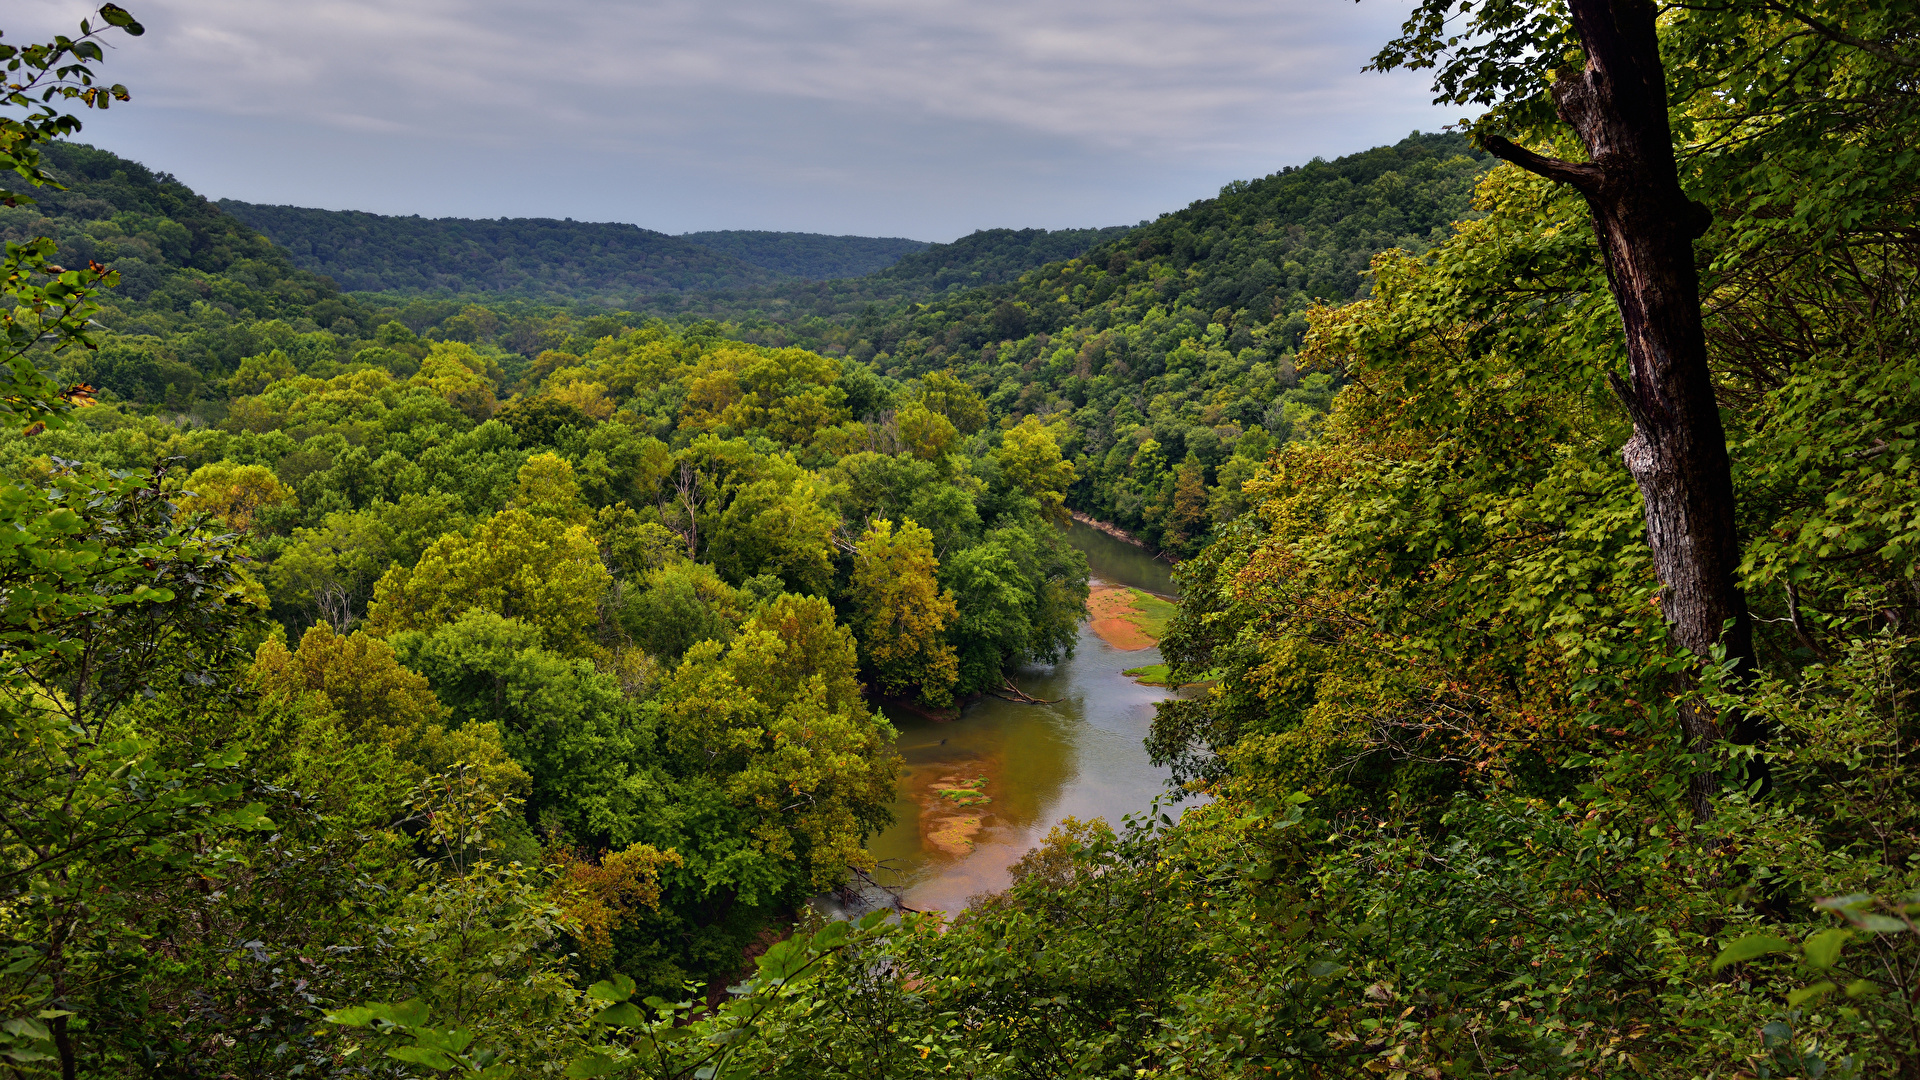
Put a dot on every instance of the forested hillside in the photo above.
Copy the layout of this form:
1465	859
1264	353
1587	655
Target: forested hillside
1163	350
407	687
820	314
1164	357
809	255
536	258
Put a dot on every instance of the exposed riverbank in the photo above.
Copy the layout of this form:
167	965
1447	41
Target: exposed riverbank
1126	618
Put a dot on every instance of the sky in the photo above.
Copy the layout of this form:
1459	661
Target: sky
925	119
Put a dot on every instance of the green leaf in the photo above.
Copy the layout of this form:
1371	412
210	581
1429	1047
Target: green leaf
1805	993
352	1016
618	988
451	1041
24	1028
831	935
1879	924
1749	947
422	1055
408	1014
594	1065
120	17
872	919
1861	986
1823	948
624	1014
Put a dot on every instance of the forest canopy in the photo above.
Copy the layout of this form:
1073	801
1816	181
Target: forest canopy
410	685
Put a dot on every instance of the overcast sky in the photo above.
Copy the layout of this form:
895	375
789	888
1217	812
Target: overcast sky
918	118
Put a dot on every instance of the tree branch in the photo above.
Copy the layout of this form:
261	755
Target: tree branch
1836	34
1583	177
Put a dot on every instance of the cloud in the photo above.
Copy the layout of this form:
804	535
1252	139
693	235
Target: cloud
843	114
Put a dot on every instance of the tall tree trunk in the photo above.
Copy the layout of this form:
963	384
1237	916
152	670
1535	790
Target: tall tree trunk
1646	224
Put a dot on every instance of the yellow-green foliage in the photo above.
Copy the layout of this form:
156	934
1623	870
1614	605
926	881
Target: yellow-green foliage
540	570
901	613
344	721
779	713
234	493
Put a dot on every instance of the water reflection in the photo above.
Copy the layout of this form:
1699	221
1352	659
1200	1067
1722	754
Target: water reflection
1122	563
979	791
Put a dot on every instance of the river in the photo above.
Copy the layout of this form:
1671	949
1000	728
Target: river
978	792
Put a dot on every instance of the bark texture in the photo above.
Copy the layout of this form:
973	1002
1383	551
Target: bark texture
1646	225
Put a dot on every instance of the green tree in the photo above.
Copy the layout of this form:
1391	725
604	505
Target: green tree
583	742
959	402
900	612
55	313
1030	458
113	612
926	434
334	567
546	488
678	606
345	721
1188	519
542	571
776	724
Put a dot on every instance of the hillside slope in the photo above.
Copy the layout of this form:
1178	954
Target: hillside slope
813	256
538	258
988	257
161	236
815	312
1171	348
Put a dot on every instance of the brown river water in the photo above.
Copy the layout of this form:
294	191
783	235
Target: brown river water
977	792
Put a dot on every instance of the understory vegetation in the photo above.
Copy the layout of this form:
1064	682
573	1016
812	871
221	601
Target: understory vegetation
405	686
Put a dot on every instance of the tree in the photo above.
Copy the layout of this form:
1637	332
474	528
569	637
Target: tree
1189	517
542	571
775	525
234	493
776	724
571	727
1030	458
361	730
955	400
453	371
928	435
57	314
1617	108
334	566
991	600
900	612
112	609
679	605
546	488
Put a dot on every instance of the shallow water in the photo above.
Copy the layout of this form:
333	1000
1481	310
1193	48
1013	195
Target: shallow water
1122	563
1079	757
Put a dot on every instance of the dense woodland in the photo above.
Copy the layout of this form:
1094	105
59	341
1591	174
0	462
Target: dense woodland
537	258
810	255
404	685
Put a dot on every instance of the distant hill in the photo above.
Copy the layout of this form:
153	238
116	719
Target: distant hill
991	256
161	236
814	256
979	260
537	258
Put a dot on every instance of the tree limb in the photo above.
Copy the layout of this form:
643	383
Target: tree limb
1834	33
1582	177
